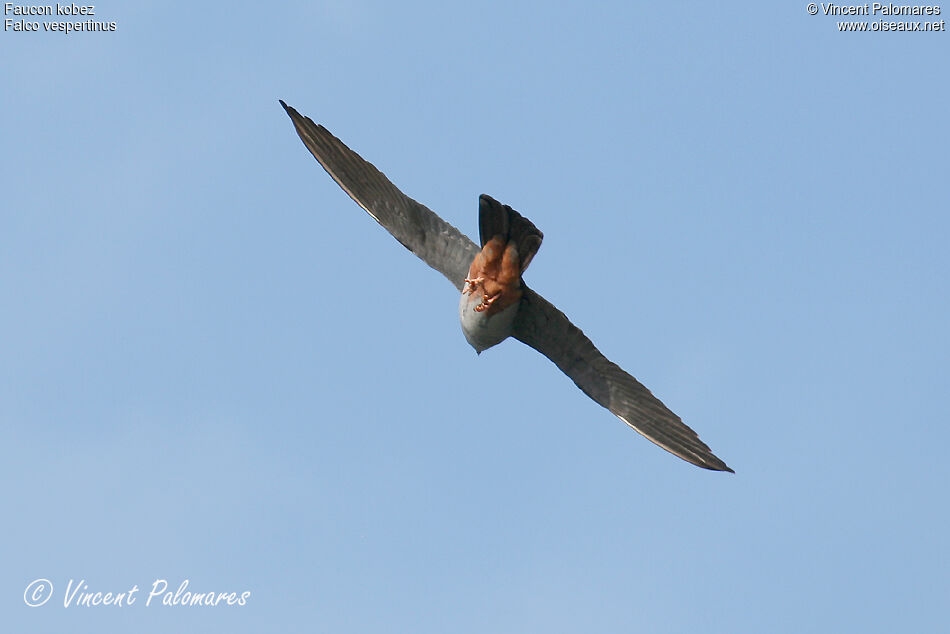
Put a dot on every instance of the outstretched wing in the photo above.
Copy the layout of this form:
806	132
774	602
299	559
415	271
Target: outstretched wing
546	329
419	229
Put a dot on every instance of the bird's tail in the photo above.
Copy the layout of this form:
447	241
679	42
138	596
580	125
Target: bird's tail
496	219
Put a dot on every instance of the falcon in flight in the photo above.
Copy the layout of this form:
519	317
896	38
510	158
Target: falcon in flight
495	303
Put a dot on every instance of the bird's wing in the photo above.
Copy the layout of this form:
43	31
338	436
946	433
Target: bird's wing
419	229
546	329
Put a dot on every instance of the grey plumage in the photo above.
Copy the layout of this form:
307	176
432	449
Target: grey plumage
439	244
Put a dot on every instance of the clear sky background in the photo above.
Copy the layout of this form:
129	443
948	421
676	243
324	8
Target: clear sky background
215	367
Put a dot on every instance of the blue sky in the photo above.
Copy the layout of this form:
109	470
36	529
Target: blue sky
216	367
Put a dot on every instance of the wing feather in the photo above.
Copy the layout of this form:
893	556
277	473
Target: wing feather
419	229
546	329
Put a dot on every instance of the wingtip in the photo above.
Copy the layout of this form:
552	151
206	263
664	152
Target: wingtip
300	119
718	465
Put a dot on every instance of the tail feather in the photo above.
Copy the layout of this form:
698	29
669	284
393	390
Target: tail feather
496	219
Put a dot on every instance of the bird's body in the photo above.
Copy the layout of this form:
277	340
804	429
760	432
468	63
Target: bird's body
493	289
495	302
481	329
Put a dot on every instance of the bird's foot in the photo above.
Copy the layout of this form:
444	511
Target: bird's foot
472	284
486	302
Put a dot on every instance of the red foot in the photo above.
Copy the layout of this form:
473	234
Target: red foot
471	285
486	302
